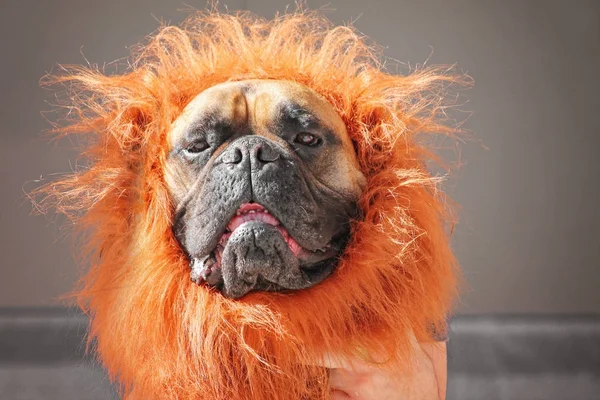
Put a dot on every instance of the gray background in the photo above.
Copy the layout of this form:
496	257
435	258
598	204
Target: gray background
529	238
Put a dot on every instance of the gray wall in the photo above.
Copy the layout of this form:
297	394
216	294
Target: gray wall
529	238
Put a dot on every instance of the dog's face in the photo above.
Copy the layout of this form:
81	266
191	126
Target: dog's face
265	181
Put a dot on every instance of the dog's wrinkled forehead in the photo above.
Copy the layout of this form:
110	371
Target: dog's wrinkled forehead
259	107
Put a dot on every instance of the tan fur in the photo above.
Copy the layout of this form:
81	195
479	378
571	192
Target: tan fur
251	105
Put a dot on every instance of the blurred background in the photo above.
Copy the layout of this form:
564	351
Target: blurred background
529	186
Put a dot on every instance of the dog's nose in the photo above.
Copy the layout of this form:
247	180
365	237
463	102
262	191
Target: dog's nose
264	153
257	150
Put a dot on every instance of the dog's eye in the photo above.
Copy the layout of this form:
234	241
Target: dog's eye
307	139
197	147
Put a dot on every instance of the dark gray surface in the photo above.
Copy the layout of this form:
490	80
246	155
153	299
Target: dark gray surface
492	358
524	387
524	358
530	217
43	356
524	345
74	381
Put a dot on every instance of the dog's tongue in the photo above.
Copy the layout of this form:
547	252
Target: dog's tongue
251	212
256	212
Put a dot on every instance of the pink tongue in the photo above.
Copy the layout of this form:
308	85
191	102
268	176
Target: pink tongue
263	217
258	216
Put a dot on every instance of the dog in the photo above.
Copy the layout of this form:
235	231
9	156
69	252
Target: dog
257	196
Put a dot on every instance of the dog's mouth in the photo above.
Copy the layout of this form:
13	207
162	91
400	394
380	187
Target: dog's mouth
314	265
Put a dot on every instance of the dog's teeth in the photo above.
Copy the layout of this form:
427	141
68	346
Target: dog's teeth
201	268
266	211
251	212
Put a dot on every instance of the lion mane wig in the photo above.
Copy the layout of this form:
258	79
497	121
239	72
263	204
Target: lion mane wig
162	337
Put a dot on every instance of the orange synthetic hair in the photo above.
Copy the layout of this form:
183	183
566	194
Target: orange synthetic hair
162	337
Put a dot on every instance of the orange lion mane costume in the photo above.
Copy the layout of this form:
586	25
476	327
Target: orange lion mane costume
162	337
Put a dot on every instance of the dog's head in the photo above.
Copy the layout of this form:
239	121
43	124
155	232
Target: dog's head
265	181
279	166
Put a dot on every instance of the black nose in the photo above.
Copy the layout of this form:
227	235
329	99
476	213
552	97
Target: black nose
265	153
255	149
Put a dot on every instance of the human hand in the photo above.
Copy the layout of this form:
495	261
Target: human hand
357	380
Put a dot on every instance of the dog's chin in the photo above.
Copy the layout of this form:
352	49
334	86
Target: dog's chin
257	253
